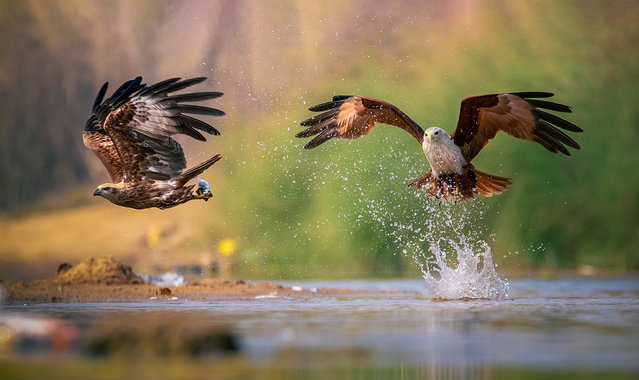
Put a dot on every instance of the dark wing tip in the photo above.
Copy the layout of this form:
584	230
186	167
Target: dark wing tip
556	120
196	80
123	92
193	97
185	120
321	139
549	105
332	113
160	86
326	106
533	94
100	96
318	127
341	97
199	110
180	85
550	140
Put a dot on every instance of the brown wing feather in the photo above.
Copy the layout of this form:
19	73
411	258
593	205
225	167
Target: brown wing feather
481	117
133	152
102	146
351	117
141	126
95	137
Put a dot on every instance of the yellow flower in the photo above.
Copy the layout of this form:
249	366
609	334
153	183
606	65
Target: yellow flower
226	247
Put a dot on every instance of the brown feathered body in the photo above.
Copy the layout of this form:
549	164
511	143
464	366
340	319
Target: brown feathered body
152	193
131	133
147	194
452	176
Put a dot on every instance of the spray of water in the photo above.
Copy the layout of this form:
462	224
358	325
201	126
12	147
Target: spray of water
455	261
446	241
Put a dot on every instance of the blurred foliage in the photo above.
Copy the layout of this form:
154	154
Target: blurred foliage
334	211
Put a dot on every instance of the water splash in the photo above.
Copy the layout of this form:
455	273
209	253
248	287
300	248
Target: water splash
455	261
474	275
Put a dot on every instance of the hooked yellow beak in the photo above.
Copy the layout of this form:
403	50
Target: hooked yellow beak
429	137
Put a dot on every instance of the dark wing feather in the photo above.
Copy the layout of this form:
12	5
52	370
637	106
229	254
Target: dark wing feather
177	86
100	96
159	87
553	119
193	97
199	110
350	117
95	137
102	109
481	117
143	122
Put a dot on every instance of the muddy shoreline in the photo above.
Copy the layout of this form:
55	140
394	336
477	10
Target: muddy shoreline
214	289
107	280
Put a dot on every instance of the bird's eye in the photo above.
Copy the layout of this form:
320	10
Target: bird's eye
436	133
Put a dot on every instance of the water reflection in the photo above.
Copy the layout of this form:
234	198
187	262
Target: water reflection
565	324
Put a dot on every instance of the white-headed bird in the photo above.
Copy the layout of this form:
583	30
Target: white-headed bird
452	176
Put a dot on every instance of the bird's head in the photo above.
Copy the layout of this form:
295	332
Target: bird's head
435	134
107	190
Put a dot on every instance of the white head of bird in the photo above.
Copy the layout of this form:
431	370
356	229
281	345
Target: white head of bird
435	134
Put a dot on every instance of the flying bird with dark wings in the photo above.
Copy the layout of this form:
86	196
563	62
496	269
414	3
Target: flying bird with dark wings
131	133
452	176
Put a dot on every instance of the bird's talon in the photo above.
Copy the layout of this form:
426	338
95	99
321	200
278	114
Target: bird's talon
200	195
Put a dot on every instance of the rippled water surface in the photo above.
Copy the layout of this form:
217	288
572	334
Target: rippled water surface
572	324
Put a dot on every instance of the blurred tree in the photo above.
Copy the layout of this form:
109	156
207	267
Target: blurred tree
295	209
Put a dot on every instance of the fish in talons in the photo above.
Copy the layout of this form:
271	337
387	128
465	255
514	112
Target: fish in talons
203	190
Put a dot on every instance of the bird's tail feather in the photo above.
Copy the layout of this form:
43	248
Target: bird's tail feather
489	185
461	187
197	170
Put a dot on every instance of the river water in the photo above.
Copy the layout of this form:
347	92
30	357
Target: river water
552	325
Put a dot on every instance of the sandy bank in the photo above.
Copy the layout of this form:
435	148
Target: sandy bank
106	279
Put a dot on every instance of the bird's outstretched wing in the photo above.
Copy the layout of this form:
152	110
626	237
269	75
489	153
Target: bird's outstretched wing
94	135
519	115
352	117
140	127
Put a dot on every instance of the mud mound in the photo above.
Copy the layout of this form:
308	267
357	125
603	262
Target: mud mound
103	270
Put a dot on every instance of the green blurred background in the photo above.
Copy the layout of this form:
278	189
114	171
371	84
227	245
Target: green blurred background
332	212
